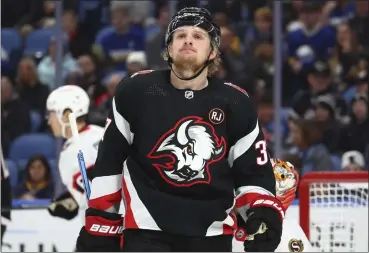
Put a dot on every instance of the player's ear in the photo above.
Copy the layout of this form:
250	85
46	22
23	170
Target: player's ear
213	53
170	51
65	117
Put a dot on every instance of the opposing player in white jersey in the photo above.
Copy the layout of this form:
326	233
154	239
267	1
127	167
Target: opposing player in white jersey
61	102
293	237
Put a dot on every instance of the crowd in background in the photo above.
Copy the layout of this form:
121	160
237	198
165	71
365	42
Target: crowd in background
325	123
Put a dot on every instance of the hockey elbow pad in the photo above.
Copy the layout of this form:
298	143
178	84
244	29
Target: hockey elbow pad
65	206
264	224
102	232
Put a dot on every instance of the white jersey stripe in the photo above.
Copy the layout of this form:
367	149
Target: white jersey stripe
122	124
102	186
141	215
242	145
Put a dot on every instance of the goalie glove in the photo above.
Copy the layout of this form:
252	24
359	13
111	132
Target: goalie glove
102	232
65	206
262	230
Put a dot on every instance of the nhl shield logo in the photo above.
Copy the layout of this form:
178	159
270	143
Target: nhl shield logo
189	94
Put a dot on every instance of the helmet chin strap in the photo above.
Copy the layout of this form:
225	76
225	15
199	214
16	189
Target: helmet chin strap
207	62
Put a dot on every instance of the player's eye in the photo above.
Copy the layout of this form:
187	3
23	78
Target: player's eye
283	176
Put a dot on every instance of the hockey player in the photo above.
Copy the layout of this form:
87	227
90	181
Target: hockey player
187	142
293	237
62	101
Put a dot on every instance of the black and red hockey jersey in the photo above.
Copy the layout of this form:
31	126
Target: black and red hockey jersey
178	157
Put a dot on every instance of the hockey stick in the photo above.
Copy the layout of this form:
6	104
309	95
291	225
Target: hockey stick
81	160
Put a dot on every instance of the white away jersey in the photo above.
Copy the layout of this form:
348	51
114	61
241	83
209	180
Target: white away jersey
70	173
293	239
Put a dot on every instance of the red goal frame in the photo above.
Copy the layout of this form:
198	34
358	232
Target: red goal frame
323	177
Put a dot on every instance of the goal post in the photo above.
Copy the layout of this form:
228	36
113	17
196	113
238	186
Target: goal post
333	210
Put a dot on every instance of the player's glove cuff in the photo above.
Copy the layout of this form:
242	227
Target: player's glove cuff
103	223
270	202
264	224
102	232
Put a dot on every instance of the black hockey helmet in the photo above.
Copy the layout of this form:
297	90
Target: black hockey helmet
193	16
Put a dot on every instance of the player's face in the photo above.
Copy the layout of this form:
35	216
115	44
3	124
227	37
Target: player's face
54	124
190	47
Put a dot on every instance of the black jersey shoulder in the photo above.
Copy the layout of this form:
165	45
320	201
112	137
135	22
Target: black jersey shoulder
136	83
230	92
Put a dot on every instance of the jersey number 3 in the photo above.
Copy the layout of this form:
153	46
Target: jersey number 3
262	148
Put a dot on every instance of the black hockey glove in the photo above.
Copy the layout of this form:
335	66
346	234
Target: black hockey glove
65	206
102	232
263	226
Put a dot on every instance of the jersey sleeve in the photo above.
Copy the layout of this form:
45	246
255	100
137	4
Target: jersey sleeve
106	186
70	173
248	156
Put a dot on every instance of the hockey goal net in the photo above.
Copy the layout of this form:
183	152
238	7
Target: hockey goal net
334	210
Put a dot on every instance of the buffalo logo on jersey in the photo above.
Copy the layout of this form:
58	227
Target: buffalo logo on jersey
295	245
192	146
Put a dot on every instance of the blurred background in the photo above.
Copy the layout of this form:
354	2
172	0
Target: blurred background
305	65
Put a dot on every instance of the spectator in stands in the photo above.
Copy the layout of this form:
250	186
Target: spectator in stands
38	183
47	16
98	115
337	12
15	115
306	135
325	112
353	161
346	54
362	82
117	43
91	80
79	43
320	83
355	136
260	31
362	79
140	11
266	119
231	55
154	41
46	68
30	89
136	61
309	33
359	23
261	68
